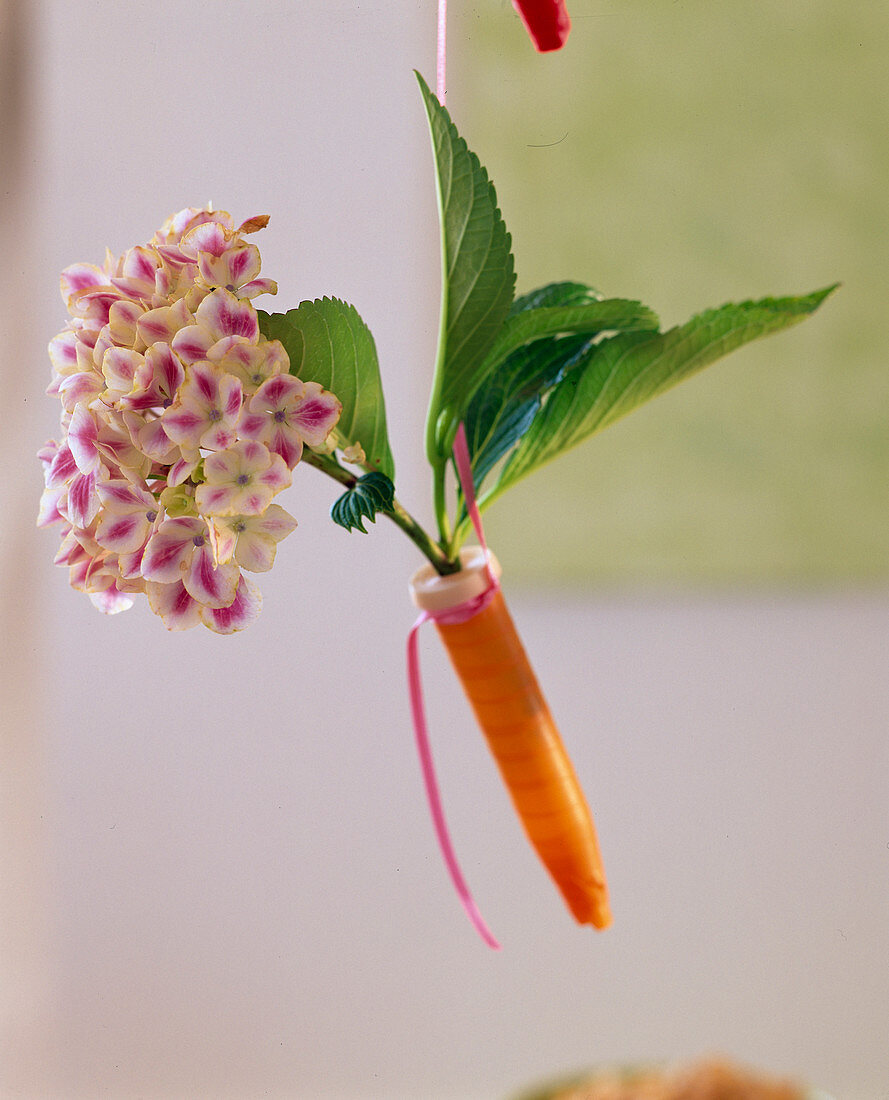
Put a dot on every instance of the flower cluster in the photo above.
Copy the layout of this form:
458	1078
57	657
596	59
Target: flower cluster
180	424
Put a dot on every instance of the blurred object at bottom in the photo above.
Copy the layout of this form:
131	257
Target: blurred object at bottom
710	1079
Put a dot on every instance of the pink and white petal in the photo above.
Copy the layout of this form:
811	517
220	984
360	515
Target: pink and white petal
121	533
192	343
202	379
164	282
286	442
210	237
153	441
224	466
63	352
173	229
111	266
173	604
95	305
87	357
170	548
255	425
227	346
210	584
70	551
244	263
315	416
62	467
130	584
277	476
135	289
119	495
165	368
141	263
85	536
277	361
276	523
79	573
254	501
223	540
93	354
47	454
217	500
119	366
79	278
195	293
130	565
116	445
252	363
184	424
276	393
256	287
244	610
232	268
83	439
225	315
110	600
256	551
50	501
252	456
80	389
173	255
82	503
218	439
231	395
183	468
163	323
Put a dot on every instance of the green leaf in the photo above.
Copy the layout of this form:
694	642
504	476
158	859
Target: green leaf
555	294
590	319
536	347
327	342
504	406
372	493
626	370
478	276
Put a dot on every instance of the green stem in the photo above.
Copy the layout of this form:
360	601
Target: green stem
434	552
441	562
440	504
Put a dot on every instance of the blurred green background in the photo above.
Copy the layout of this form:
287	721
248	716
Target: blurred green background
688	154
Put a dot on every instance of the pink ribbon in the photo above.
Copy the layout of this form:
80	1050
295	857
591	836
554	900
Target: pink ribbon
441	51
458	614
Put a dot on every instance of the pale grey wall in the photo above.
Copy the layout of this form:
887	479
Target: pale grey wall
221	878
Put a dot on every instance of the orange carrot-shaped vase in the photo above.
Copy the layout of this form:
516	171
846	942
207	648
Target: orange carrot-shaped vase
472	620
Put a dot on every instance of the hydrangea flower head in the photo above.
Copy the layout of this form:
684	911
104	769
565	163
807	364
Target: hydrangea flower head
179	424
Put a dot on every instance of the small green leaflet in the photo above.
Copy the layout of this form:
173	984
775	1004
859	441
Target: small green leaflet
478	276
624	371
372	493
327	342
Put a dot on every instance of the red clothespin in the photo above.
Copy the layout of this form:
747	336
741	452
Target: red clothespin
546	21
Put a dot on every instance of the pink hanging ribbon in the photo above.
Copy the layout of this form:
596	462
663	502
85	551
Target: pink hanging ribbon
441	51
457	614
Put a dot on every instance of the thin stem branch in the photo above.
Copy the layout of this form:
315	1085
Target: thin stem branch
440	504
399	515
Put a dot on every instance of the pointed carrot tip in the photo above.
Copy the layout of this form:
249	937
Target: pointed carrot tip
588	904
